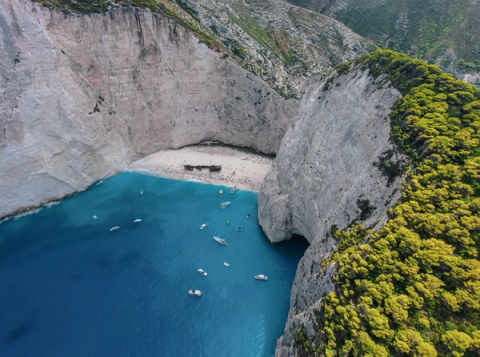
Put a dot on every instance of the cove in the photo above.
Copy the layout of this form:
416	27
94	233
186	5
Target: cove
71	287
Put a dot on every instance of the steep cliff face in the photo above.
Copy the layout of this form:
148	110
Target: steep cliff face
325	176
281	43
83	95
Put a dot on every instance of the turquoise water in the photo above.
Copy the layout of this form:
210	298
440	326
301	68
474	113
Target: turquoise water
70	287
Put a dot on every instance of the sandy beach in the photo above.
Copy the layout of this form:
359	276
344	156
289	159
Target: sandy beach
244	170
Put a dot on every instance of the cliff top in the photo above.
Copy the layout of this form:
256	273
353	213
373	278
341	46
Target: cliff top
281	43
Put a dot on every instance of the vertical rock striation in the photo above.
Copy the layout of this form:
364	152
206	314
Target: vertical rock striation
324	177
84	95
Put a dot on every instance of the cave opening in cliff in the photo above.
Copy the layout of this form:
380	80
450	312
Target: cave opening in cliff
300	239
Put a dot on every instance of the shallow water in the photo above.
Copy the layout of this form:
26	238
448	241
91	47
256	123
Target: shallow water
70	287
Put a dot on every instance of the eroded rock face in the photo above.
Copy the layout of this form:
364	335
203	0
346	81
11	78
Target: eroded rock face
472	78
284	44
84	95
323	172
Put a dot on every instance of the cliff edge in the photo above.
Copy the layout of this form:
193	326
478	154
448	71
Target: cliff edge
327	175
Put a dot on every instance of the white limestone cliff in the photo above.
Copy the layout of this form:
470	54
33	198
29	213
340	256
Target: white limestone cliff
472	78
324	167
84	95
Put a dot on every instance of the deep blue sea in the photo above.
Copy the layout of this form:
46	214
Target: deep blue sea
71	288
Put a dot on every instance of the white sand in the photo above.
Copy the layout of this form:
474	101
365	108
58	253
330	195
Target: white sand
245	170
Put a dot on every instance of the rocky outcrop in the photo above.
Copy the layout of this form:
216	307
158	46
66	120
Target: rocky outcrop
326	175
472	78
284	44
84	95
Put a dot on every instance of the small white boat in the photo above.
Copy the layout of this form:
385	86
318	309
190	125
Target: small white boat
239	229
94	217
234	188
261	277
203	272
195	292
225	204
226	264
114	228
138	220
203	226
220	192
141	192
220	240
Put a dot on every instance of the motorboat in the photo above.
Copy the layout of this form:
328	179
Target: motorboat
239	229
195	292
225	204
203	226
138	220
226	264
203	272
114	228
94	217
220	192
261	277
220	240
141	192
234	188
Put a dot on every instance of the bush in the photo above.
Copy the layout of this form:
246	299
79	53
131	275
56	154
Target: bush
413	288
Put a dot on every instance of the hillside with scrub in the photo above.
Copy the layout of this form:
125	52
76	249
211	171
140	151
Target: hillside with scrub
413	287
440	31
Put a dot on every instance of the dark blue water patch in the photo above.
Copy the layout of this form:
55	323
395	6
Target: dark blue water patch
71	287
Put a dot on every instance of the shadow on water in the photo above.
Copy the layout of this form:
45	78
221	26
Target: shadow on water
129	259
20	332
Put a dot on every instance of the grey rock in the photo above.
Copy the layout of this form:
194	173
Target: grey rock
325	164
282	43
472	78
82	96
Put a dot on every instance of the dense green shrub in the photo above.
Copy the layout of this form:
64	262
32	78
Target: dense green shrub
413	288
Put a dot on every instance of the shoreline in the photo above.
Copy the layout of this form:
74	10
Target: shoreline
245	171
160	175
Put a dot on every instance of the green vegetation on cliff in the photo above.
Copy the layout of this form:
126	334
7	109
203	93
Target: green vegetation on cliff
413	288
436	29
